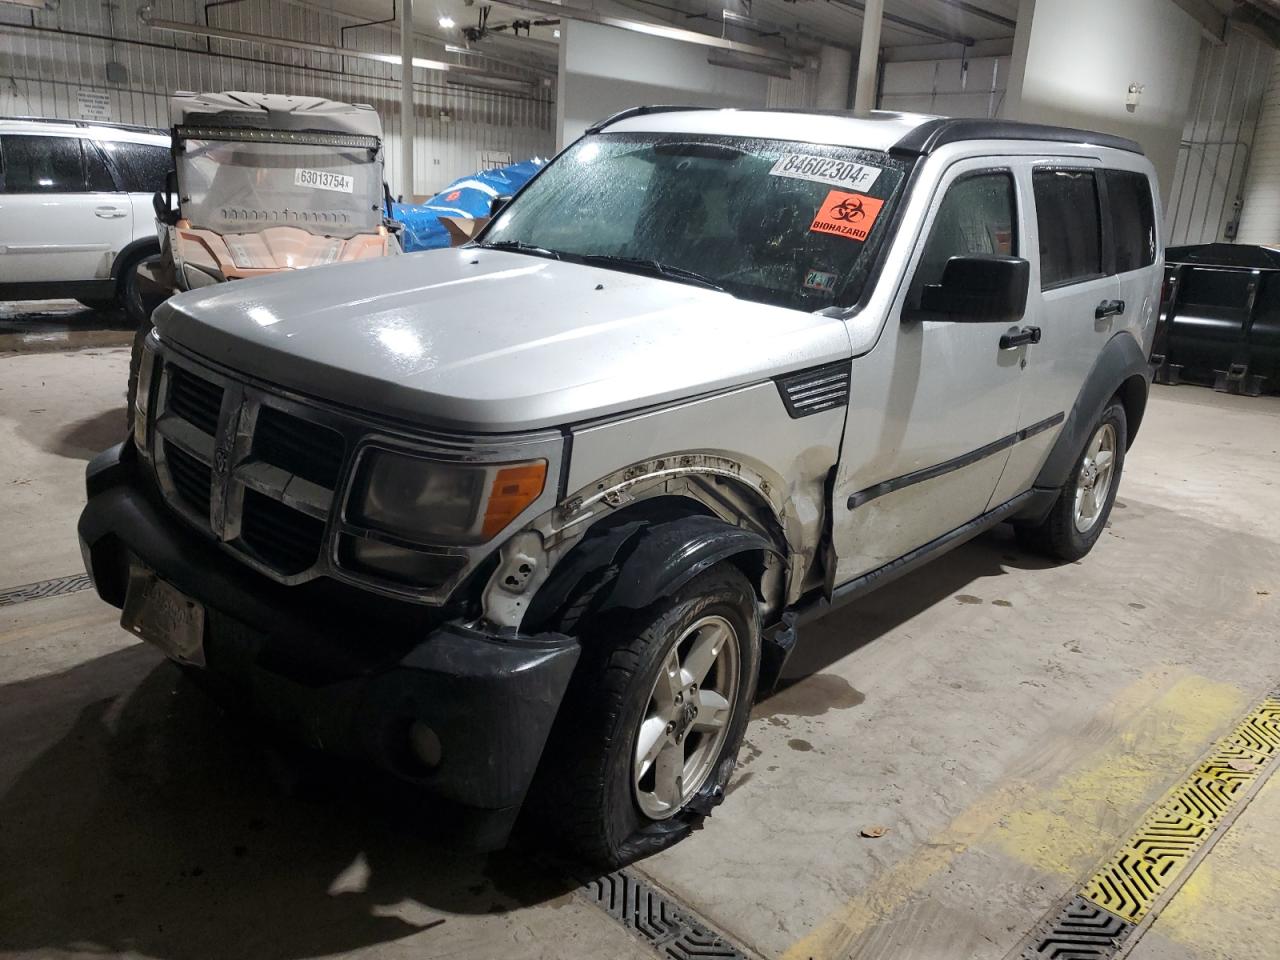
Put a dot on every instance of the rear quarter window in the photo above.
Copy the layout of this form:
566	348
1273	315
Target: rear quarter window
143	166
1133	222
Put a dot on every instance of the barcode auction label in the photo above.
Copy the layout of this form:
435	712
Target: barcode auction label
840	173
322	180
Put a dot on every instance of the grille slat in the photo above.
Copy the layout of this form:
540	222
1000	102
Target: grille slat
284	538
194	399
191	478
301	447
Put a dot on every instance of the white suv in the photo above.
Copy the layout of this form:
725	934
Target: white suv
76	214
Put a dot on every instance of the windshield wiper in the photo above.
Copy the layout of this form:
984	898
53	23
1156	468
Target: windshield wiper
519	246
657	267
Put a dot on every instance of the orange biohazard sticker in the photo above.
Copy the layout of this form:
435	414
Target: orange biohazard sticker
847	215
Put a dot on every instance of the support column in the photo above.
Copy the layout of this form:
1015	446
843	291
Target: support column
408	124
834	65
864	98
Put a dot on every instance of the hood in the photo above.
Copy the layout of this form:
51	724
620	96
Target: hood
488	341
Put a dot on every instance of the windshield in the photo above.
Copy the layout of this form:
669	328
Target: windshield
233	187
792	224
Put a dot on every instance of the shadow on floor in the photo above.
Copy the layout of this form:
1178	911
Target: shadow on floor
135	818
83	439
850	628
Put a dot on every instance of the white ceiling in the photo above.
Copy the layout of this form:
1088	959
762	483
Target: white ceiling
831	21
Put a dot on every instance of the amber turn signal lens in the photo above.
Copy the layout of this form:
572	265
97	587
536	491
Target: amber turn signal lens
514	488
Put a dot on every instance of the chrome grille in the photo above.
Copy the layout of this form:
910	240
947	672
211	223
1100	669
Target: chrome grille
256	477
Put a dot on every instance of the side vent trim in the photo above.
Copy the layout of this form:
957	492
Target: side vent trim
815	390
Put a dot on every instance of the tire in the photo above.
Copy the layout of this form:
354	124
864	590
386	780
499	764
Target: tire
1065	534
129	293
135	364
586	793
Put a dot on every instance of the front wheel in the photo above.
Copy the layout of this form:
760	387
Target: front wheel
1080	513
653	720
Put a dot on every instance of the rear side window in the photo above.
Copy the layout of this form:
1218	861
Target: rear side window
1070	226
142	165
42	164
1133	221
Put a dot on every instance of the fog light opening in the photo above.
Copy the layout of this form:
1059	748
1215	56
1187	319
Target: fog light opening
424	744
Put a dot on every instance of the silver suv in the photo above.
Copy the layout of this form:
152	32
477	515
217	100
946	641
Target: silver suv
532	521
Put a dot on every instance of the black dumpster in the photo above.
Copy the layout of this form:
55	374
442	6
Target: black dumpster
1220	318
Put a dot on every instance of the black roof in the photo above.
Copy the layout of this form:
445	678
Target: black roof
931	134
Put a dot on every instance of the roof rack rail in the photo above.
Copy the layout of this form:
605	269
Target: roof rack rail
133	127
932	134
630	112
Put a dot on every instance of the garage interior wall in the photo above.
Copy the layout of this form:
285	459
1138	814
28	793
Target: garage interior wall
1218	140
1075	59
97	55
953	88
604	70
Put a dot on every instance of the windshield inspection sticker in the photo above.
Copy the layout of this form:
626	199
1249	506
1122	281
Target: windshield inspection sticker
849	215
820	280
841	173
322	180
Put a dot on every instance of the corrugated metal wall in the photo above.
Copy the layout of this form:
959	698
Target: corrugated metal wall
1260	217
951	88
1217	141
47	58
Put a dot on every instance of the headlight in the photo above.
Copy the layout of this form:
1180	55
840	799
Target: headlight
430	501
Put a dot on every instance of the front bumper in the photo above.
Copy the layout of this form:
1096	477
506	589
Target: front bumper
340	669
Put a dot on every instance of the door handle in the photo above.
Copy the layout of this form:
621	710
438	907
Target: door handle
1108	308
109	213
1024	336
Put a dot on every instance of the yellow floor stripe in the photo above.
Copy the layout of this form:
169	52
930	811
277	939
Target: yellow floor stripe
1152	859
1154	725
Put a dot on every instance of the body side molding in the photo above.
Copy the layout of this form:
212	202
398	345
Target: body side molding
956	463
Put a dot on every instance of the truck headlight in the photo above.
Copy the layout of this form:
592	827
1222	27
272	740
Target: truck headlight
437	502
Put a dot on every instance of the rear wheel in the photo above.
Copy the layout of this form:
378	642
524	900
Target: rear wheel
1080	513
653	720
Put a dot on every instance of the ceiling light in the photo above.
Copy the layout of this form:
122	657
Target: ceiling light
446	23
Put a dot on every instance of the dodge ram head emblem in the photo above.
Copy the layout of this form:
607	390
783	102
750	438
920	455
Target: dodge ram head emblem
222	454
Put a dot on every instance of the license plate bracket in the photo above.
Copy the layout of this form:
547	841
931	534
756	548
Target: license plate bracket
164	616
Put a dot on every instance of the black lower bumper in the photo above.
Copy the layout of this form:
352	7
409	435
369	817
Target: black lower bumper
338	669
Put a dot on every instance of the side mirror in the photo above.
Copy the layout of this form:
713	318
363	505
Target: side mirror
496	205
979	289
162	201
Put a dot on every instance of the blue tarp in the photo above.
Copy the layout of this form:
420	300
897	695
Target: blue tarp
468	197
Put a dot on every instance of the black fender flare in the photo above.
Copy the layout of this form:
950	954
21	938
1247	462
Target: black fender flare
1120	361
142	247
637	562
669	555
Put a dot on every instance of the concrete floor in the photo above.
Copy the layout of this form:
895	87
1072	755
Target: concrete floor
1007	722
